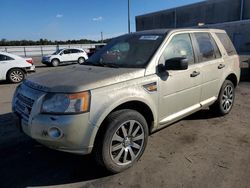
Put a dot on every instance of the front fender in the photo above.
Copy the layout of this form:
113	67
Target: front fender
105	100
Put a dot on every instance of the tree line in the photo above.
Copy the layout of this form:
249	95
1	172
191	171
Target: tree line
5	42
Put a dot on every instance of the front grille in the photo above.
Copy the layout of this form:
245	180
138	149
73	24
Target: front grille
23	106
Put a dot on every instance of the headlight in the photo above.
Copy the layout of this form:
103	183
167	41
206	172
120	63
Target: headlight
66	103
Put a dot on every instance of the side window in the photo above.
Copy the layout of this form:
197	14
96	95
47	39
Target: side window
179	46
5	58
207	47
74	51
2	58
66	52
227	43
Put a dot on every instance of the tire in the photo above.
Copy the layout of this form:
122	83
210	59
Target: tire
225	101
81	60
55	62
123	142
16	75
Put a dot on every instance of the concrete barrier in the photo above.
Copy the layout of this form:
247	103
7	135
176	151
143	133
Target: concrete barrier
41	50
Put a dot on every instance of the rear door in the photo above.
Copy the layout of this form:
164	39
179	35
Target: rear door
75	54
210	62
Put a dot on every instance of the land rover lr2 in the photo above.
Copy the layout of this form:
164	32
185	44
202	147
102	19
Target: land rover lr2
136	84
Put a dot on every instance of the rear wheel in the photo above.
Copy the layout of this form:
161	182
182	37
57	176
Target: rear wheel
123	142
81	60
16	75
225	101
55	62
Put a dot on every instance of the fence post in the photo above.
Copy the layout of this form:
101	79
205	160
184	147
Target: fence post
42	50
6	49
24	50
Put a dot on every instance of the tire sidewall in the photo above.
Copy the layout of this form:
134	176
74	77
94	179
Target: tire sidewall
112	128
80	59
55	64
225	84
12	81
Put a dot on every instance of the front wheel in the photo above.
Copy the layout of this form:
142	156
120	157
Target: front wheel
225	101
55	62
123	142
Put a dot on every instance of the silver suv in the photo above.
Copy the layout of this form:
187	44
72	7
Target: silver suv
135	85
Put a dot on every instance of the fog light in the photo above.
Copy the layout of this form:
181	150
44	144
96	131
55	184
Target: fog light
55	133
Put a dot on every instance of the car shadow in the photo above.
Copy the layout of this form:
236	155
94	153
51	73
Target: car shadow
5	82
24	162
245	75
202	114
50	66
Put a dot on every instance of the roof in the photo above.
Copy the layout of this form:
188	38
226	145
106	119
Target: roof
165	31
154	32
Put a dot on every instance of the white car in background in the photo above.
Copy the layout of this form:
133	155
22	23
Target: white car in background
66	55
14	68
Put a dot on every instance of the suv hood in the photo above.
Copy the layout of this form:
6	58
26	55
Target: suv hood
81	78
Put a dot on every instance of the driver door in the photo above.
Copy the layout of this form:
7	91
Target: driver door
66	56
180	90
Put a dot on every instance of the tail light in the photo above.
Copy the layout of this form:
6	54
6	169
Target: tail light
30	61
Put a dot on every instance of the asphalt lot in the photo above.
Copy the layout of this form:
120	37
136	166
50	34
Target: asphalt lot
202	150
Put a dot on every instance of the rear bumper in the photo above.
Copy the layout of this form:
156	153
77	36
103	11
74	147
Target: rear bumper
30	69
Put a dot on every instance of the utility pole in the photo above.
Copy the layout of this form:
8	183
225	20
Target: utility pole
241	9
102	37
128	16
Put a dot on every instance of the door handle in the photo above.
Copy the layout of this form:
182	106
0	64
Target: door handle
194	74
221	66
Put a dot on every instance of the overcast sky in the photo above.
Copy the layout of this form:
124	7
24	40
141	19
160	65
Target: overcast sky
73	19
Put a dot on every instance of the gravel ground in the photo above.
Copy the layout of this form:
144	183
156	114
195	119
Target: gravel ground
200	151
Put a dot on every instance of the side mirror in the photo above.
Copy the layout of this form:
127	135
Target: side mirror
178	63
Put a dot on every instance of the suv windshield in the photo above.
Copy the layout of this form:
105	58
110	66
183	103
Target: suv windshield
130	51
57	52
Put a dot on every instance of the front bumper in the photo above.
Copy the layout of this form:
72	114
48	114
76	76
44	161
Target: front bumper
46	61
77	133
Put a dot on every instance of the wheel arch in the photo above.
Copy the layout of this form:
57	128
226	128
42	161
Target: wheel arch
137	105
233	78
55	58
7	72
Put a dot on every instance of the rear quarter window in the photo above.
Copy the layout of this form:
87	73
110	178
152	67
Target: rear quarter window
227	43
5	58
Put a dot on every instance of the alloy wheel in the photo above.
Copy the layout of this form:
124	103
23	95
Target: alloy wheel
16	76
227	98
127	142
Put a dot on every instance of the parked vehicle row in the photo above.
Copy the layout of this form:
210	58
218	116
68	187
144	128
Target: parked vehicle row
14	68
137	84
